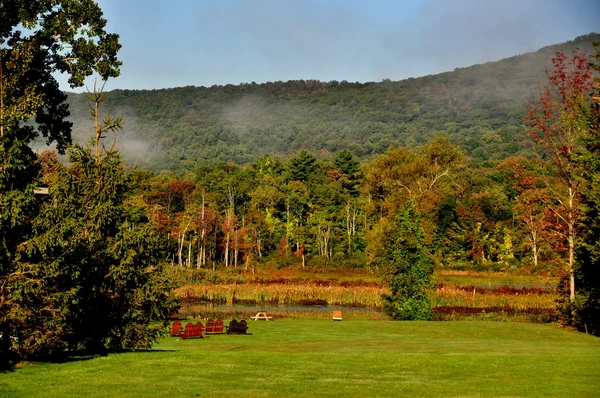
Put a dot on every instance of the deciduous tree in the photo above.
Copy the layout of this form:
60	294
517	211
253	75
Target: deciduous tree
38	39
557	124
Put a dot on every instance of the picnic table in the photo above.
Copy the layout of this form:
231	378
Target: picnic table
261	315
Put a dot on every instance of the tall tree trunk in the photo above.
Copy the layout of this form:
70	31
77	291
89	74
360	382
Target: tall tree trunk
534	249
180	249
348	228
202	250
288	226
227	250
199	256
259	245
571	240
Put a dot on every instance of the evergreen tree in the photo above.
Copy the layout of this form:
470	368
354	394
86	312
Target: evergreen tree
99	277
586	314
87	279
37	39
302	166
345	161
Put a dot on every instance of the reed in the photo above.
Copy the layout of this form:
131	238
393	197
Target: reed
486	296
367	296
456	296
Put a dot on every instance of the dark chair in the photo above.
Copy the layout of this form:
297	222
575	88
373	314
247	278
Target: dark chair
236	327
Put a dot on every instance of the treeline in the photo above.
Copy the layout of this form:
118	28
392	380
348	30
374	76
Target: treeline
311	212
479	108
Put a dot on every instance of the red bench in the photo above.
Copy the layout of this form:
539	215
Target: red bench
214	326
192	331
176	329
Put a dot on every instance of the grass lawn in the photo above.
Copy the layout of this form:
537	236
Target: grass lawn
358	358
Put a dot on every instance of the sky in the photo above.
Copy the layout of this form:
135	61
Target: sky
205	42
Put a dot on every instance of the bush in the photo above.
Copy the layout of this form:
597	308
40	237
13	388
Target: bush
409	266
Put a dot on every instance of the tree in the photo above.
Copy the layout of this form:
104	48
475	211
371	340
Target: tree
37	39
302	166
403	176
557	125
349	166
586	314
88	280
408	267
535	218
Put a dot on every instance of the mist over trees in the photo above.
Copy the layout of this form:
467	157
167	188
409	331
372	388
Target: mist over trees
479	108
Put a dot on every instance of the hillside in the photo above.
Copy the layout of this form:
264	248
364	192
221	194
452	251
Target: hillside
480	108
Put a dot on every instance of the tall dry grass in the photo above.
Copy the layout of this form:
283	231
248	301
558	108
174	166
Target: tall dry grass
368	296
453	296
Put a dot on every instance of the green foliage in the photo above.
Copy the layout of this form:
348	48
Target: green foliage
350	168
409	267
584	312
345	161
92	282
479	108
302	166
38	39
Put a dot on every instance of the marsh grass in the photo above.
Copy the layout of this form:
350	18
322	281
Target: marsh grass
321	358
454	296
488	295
370	296
491	279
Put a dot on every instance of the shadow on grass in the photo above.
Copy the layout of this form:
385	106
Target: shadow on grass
75	357
83	356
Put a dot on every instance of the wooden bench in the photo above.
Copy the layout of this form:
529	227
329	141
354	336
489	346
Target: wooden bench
236	327
192	331
214	326
176	329
337	315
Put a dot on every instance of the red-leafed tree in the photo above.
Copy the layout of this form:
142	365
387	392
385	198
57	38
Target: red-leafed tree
531	210
557	125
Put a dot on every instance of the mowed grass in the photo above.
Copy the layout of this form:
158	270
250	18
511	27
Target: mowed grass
352	358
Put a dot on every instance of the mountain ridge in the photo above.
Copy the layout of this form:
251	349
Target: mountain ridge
479	107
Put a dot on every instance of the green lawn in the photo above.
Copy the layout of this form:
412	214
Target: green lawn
358	358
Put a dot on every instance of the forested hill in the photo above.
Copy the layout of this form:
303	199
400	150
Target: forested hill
480	108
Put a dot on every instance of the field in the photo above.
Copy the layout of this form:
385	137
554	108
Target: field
318	357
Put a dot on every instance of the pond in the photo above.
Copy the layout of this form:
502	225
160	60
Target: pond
245	311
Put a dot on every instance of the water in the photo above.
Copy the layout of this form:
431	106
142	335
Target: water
211	310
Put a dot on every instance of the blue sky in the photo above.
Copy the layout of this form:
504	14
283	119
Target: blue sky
205	42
